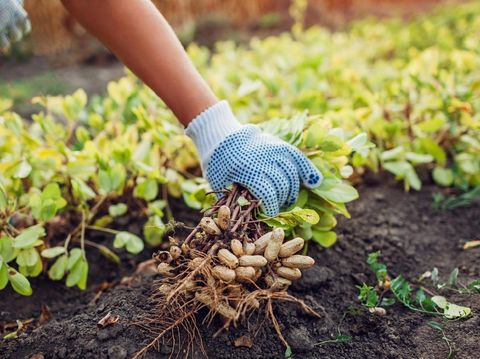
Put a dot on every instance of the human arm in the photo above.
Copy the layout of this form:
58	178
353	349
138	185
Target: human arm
141	37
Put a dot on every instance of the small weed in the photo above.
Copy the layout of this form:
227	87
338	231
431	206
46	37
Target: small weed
450	344
387	292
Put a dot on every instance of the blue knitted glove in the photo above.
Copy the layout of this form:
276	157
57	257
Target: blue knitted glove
14	22
233	153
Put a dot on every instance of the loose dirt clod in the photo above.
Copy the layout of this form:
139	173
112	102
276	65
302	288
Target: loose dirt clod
230	264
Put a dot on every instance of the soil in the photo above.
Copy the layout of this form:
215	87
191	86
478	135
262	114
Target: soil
412	236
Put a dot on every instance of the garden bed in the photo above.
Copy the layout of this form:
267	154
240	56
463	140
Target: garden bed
412	236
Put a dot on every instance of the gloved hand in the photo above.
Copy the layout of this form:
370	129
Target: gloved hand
14	22
233	153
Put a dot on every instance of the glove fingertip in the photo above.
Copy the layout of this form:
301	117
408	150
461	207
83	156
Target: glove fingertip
313	180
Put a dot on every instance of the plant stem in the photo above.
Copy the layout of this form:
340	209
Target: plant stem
82	235
102	229
67	241
167	205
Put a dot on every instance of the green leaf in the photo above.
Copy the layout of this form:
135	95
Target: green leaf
327	221
288	353
452	279
242	201
32	271
53	252
413	179
443	176
305	215
74	256
377	267
112	180
81	190
393	154
453	311
368	295
432	125
330	143
131	242
336	191
148	190
154	230
302	199
58	269
77	273
435	325
19	282
474	285
402	290
22	170
82	283
418	157
29	236
28	257
440	301
7	252
386	302
116	210
52	190
3	198
325	239
3	274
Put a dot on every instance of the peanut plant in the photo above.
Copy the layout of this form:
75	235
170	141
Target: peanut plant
382	95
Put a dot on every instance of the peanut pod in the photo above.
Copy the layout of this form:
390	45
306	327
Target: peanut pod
298	261
248	247
165	289
378	311
245	274
291	247
224	217
162	257
276	283
237	247
227	258
261	243
209	226
221	308
165	269
195	263
289	273
273	246
224	273
252	261
175	251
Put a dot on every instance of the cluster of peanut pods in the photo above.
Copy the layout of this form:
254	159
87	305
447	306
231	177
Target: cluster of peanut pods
269	261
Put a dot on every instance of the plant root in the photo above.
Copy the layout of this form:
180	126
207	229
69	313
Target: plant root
231	266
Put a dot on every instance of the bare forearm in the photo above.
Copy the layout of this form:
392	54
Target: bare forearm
140	36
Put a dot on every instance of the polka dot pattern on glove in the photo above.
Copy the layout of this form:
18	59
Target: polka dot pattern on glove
269	167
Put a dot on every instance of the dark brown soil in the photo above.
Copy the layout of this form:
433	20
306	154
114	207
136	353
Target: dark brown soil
412	236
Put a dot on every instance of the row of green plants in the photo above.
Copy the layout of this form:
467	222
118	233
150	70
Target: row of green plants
79	164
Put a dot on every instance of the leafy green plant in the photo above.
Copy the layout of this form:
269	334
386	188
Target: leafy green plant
83	163
312	217
401	291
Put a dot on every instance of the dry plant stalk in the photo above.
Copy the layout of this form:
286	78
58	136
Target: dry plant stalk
230	264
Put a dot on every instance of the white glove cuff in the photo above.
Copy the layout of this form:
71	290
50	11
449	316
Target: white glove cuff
210	128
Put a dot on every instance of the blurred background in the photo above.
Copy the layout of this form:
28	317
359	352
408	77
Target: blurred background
59	56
